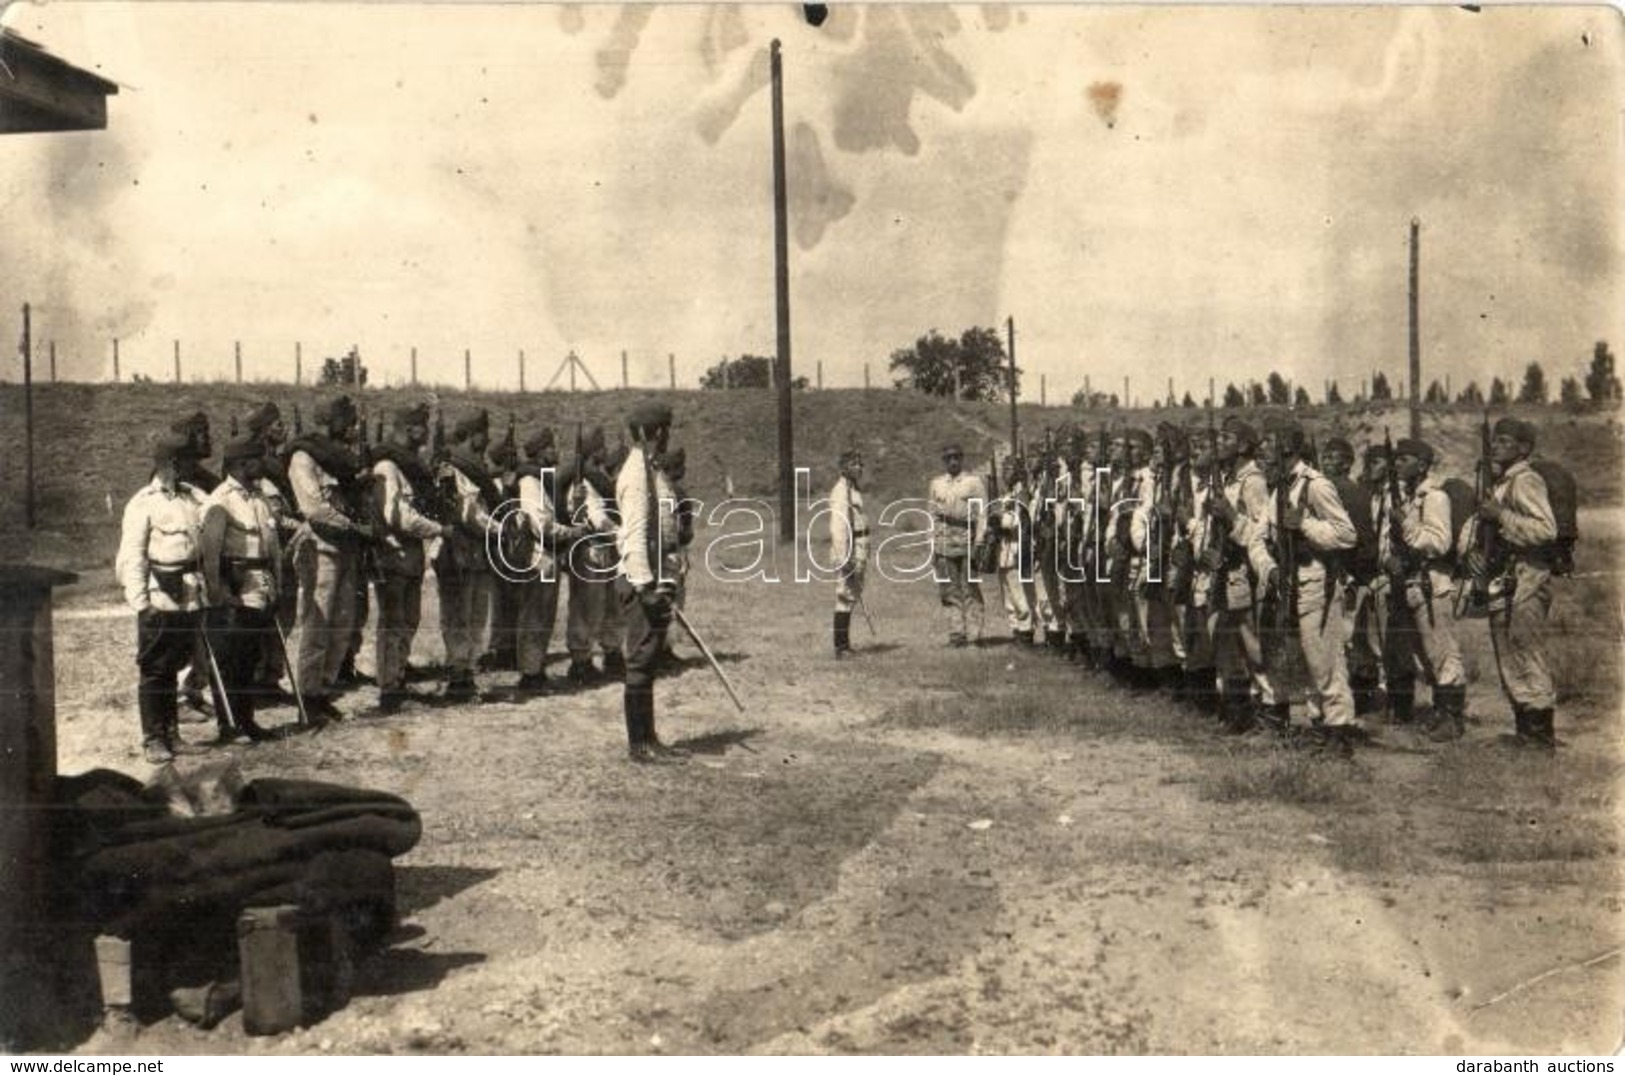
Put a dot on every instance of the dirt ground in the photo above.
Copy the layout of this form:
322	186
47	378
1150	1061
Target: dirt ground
860	864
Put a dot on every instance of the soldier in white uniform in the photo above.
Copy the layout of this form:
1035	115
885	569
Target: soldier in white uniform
463	570
242	565
1009	517
553	534
406	506
591	561
646	542
323	471
848	546
158	568
958	503
1314	517
1238	649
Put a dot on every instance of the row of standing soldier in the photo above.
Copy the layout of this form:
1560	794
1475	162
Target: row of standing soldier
1220	563
273	569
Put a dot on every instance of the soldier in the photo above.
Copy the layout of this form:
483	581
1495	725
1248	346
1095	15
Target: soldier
462	570
322	471
1204	540
1314	530
157	566
553	533
1071	561
1009	519
1046	515
1336	458
265	425
646	541
194	428
958	501
1519	574
1238	651
591	561
675	466
1368	649
1128	451
406	508
848	546
1152	536
242	565
1416	547
503	463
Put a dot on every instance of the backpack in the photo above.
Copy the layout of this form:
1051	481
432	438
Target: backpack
1564	496
1463	506
1362	559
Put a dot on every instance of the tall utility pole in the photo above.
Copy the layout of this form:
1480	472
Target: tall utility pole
27	349
1015	425
177	362
115	360
671	367
781	281
521	370
1416	328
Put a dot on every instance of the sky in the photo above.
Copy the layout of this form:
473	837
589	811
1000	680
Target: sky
1148	192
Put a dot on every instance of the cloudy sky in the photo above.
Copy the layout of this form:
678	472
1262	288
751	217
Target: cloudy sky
1149	192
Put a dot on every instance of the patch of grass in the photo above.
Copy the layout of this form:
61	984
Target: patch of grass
1280	774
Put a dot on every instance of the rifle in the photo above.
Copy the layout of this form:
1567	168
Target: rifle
986	557
1396	532
365	506
1213	536
1485	535
298	421
1287	607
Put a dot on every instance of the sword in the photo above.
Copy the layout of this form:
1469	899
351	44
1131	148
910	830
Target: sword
293	678
699	643
863	607
219	681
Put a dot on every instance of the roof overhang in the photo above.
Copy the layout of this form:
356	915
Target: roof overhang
39	92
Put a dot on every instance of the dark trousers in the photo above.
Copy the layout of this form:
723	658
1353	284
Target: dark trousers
506	597
164	644
643	641
237	637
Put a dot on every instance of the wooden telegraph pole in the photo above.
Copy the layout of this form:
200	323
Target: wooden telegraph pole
781	289
1015	424
177	362
28	415
115	360
671	368
237	359
1416	328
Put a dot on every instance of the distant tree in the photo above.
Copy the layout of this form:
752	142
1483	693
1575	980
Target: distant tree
1534	384
1092	400
1436	394
1333	396
1379	387
1601	383
978	355
349	370
746	371
1471	395
1233	396
1568	393
1111	401
1500	394
1255	394
1279	393
1300	397
1187	402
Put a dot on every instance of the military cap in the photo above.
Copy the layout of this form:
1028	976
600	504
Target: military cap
243	448
675	459
1374	451
415	415
539	442
1287	432
1517	429
1421	449
329	411
196	422
1334	444
952	448
1237	427
469	424
592	441
1175	438
850	456
170	447
651	412
1139	438
262	418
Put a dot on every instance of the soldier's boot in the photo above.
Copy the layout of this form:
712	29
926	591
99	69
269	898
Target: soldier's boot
582	672
460	686
1542	731
1449	714
1202	691
1275	719
1172	680
1055	640
1521	737
1235	707
614	665
1402	701
843	634
638	724
1024	639
1364	689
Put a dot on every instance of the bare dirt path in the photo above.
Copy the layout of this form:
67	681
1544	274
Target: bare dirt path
826	876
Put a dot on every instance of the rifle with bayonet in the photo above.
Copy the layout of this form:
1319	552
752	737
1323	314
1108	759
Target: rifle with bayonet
1402	553
1286	607
1481	559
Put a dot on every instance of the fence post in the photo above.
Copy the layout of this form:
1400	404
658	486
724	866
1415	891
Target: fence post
298	363
414	367
1043	391
820	365
625	383
115	360
237	357
177	362
52	347
671	365
866	375
521	369
468	370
